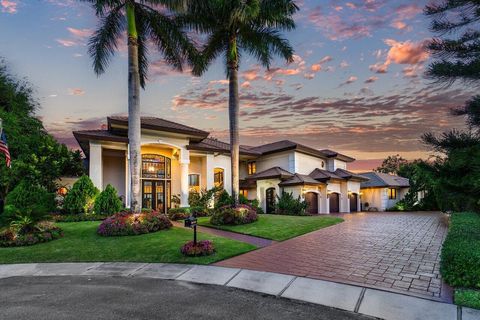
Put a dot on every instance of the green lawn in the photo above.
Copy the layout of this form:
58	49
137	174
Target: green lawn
278	227
81	243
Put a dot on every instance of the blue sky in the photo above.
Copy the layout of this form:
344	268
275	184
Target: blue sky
356	84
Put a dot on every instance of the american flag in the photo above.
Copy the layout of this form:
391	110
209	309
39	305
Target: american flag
4	147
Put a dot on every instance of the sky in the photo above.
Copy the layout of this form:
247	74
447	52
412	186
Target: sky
356	84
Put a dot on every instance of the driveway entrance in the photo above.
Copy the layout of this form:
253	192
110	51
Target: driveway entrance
397	252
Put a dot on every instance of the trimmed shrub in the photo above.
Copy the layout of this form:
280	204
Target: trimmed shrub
178	213
127	223
460	259
79	217
203	248
288	205
81	197
107	202
228	215
202	198
223	199
15	236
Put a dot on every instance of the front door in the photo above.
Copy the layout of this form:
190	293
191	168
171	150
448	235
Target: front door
154	195
334	201
270	199
353	202
311	198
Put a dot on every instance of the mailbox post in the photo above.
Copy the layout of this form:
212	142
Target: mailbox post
191	222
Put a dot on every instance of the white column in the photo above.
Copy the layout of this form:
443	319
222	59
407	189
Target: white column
96	165
128	181
209	171
184	162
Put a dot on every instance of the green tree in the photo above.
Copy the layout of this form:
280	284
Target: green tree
37	158
232	28
81	197
143	21
107	202
392	164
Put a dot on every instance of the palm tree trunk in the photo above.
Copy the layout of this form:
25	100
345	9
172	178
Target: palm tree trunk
233	112
134	124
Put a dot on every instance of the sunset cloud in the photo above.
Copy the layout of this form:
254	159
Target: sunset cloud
350	80
76	92
371	79
8	6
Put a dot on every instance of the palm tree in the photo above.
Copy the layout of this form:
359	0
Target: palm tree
233	27
143	22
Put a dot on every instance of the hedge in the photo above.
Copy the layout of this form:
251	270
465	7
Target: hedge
460	260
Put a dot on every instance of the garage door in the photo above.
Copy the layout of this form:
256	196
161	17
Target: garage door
353	202
311	198
334	200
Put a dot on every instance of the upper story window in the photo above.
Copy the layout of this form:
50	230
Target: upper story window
194	182
218	177
251	167
155	166
392	193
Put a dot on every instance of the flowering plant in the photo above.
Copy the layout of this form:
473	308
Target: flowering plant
202	248
241	214
42	232
126	223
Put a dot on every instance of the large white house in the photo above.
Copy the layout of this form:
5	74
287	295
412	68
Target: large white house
177	158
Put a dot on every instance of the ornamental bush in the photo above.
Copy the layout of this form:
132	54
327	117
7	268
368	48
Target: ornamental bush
228	215
107	202
460	258
288	205
81	197
15	235
126	224
178	213
202	248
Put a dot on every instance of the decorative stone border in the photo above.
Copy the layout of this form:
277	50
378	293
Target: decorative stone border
372	302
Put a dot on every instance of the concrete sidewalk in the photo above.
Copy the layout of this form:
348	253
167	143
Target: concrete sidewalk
371	302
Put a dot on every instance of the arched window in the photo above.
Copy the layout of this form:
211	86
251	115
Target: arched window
218	177
155	166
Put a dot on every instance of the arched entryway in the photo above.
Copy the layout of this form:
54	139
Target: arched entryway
353	202
270	200
334	201
311	198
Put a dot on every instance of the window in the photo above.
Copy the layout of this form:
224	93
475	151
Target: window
156	166
252	167
392	193
244	192
218	177
194	182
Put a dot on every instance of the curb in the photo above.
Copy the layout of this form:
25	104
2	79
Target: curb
367	301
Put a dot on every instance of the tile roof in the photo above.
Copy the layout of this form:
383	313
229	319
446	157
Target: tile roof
324	175
154	123
349	175
215	145
299	179
272	173
378	179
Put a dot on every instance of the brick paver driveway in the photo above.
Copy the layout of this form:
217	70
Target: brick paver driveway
393	251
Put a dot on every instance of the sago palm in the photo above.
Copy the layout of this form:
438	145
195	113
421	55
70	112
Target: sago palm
145	21
234	27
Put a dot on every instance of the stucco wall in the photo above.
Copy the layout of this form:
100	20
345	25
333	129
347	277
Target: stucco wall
305	164
114	170
284	160
223	162
376	198
262	186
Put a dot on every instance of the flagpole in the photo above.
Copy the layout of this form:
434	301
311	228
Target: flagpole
1	127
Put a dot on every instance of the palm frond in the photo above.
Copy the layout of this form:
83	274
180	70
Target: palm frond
278	14
215	45
103	43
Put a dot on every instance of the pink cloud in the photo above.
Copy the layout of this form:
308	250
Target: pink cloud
68	43
371	79
80	33
76	92
9	6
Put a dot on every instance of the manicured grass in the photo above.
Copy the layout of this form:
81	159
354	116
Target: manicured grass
81	243
278	227
468	298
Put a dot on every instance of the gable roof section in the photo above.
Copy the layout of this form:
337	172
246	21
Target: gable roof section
159	124
299	179
378	179
285	145
214	145
272	173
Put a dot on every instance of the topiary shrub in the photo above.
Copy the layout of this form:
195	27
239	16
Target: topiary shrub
127	223
81	197
202	248
107	202
28	200
228	215
288	205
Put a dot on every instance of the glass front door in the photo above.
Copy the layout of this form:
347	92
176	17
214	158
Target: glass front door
154	196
